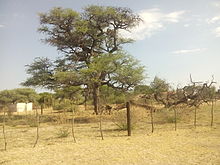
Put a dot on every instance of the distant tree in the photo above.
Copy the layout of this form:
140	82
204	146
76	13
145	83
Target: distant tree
7	96
26	94
143	89
72	95
161	90
13	96
18	95
41	71
159	85
111	95
92	48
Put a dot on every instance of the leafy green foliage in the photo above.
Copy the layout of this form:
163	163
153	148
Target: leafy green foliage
91	45
68	96
143	89
84	35
92	50
18	95
117	71
41	71
73	93
159	85
45	99
111	95
63	132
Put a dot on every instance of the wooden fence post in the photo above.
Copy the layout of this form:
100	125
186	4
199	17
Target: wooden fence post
195	116
212	113
128	118
73	122
3	126
175	118
152	120
38	124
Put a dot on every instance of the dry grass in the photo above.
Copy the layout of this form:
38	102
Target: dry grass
165	146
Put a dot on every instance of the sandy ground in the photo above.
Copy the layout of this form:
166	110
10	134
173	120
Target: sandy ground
186	146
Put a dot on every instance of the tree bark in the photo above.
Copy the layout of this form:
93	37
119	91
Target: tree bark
41	109
96	99
86	98
85	104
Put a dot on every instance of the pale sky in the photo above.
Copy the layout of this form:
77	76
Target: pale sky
176	37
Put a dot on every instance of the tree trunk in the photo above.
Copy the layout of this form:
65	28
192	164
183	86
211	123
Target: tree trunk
41	109
86	93
96	99
85	104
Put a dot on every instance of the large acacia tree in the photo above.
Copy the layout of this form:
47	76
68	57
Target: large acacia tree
91	45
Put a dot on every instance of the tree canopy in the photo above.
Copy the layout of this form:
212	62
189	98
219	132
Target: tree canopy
18	95
91	45
159	85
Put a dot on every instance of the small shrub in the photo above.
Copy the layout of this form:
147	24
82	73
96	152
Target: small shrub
171	119
17	117
48	118
15	123
124	127
166	116
61	119
11	123
33	124
63	132
31	121
86	119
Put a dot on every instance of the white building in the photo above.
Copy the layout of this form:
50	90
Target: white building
21	107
